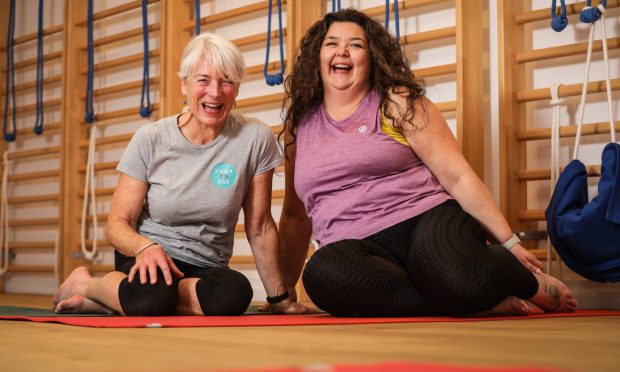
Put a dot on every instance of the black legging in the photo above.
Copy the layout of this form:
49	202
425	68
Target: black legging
433	264
220	291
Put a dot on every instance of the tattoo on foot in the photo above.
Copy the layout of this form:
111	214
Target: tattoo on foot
555	296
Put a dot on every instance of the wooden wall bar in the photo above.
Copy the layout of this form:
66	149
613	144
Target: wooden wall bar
524	131
171	24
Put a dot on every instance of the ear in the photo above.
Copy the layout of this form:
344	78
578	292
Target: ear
183	87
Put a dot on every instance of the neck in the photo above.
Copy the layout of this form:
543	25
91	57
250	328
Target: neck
341	104
197	133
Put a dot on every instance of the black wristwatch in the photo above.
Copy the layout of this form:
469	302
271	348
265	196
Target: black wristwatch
278	298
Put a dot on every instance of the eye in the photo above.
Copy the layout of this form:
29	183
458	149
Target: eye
330	43
357	45
227	83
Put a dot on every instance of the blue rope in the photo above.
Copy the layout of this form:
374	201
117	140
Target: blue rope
197	14
145	107
591	15
10	77
89	116
396	18
334	8
38	125
558	21
278	78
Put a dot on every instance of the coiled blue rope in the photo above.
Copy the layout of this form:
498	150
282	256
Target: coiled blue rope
396	18
278	78
558	21
10	78
334	7
89	115
591	15
197	14
145	107
38	124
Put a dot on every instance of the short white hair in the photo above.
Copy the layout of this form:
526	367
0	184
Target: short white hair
220	53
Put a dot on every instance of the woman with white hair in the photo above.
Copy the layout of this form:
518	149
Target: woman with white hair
183	181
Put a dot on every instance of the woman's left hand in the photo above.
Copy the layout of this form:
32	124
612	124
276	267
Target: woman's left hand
527	258
287	307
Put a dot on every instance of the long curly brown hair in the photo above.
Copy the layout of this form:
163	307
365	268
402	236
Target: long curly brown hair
389	69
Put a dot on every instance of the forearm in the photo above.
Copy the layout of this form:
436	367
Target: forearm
264	245
475	198
295	236
124	237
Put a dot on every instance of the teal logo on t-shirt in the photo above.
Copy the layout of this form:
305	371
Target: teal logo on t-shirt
224	175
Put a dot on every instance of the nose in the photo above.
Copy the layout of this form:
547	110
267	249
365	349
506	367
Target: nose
214	88
343	50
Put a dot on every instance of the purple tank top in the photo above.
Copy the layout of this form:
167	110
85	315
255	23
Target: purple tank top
355	180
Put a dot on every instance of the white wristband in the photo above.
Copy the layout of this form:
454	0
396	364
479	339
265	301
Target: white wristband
514	240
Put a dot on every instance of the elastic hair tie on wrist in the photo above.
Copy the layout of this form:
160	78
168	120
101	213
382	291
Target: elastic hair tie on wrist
145	247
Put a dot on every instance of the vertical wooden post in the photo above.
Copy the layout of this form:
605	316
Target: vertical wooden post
471	66
4	22
72	130
512	154
173	39
301	15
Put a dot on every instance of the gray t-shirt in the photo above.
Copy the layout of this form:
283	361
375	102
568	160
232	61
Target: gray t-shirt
195	192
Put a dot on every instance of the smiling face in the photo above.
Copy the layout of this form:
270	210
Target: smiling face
210	97
345	58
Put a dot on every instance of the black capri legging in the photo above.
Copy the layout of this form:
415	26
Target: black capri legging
220	291
437	263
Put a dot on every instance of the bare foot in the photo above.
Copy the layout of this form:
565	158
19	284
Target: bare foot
553	296
511	305
81	305
72	285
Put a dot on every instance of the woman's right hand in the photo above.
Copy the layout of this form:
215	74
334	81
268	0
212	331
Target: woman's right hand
147	263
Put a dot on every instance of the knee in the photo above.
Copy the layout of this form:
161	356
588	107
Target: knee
224	292
138	299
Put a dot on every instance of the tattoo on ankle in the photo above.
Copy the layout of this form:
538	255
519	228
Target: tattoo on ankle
555	296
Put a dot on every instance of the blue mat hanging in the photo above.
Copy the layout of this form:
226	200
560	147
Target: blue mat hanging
585	234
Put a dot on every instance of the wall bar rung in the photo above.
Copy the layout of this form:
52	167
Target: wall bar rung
402	5
34	222
103	191
565	50
427	72
26	108
121	61
23	246
566	131
47	128
33	199
52	150
566	90
124	113
545	173
33	61
35	269
116	10
422	37
100	166
124	88
34	175
232	13
33	36
122	36
532	215
257	38
33	84
261	100
107	140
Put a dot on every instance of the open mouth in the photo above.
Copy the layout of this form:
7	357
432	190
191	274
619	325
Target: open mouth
212	106
341	67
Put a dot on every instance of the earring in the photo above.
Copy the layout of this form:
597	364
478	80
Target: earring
235	104
184	100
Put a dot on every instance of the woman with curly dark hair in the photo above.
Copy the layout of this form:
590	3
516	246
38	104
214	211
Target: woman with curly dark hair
375	174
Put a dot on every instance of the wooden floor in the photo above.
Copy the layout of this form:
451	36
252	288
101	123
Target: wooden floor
574	344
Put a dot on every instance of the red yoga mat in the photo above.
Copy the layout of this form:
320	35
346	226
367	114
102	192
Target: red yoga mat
269	320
